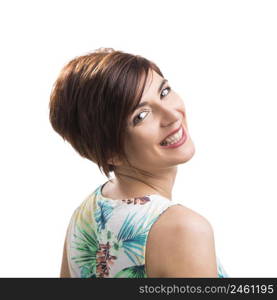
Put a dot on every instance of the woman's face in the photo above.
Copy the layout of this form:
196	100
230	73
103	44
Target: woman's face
150	124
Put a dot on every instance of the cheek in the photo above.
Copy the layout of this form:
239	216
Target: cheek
131	144
140	143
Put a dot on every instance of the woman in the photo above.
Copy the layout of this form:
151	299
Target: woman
117	110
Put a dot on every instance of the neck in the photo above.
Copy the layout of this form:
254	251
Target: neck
130	183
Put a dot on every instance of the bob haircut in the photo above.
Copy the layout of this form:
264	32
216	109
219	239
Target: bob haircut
92	99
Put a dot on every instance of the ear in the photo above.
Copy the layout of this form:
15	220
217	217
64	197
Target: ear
115	161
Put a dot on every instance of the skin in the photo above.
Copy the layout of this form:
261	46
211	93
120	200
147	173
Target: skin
64	272
158	119
181	238
183	241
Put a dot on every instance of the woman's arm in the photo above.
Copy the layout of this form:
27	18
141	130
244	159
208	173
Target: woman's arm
64	273
181	244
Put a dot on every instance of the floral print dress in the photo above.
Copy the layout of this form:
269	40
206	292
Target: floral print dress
107	238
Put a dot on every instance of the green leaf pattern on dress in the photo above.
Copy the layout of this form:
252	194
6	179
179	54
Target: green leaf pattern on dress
97	248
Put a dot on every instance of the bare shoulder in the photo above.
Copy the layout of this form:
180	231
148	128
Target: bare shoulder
183	240
180	215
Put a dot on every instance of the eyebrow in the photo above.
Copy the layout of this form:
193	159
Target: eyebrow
158	92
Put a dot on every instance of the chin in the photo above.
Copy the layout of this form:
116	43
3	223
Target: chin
187	153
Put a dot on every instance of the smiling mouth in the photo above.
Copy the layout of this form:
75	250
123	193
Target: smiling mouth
174	138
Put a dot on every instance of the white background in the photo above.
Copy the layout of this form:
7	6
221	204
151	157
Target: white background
220	56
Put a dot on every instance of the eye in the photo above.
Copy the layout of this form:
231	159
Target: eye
165	91
138	117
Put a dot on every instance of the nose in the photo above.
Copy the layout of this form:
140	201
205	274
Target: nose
171	116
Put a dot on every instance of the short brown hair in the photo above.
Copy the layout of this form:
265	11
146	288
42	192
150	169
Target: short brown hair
92	98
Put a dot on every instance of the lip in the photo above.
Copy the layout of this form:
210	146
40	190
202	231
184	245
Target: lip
180	143
174	131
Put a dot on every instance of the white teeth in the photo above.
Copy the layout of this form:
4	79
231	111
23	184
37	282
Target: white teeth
173	138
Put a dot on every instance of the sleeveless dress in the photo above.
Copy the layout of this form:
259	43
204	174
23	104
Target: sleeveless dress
107	238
